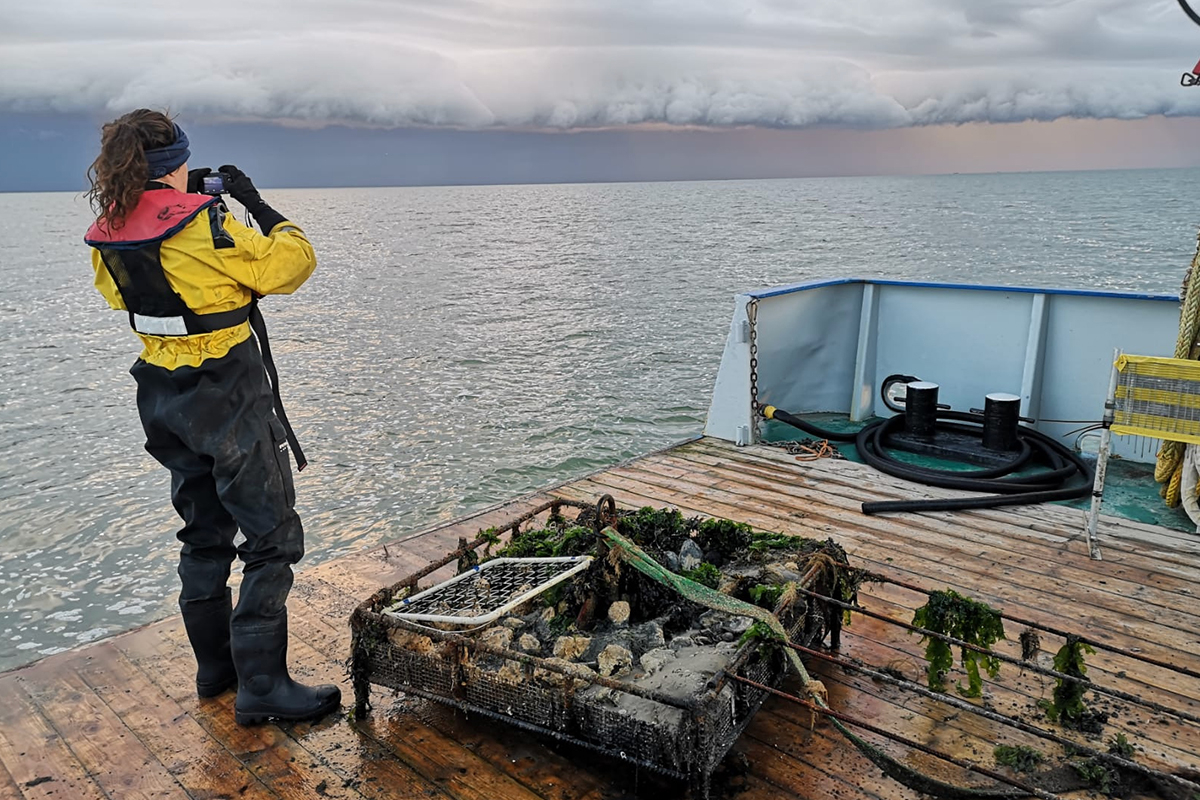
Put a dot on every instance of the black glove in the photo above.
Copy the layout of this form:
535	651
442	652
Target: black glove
241	188
196	179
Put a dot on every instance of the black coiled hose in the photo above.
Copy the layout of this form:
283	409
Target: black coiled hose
1063	466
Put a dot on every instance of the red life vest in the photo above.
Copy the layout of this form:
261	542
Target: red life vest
131	253
159	214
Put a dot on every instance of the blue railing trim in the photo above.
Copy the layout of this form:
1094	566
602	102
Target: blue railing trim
776	291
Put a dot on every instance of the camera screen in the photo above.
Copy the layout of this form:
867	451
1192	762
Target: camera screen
213	184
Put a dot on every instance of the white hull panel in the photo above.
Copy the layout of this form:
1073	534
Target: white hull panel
827	347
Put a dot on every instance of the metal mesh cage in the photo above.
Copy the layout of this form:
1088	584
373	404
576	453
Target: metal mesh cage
1157	397
684	738
487	591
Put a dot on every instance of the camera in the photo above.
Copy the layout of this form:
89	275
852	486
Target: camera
215	184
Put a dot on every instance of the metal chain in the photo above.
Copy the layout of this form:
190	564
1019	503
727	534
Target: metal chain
752	316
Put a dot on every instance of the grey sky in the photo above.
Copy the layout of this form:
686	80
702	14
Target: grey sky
601	63
321	92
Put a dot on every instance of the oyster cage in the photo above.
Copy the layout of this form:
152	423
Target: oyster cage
682	738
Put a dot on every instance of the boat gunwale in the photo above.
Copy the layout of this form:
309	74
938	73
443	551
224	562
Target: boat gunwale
776	291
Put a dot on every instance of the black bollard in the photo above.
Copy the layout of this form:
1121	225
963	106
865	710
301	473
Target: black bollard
1001	416
920	410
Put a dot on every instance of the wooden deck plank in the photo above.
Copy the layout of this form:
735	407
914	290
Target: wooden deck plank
863	483
902	562
1013	694
1171	570
923	720
798	758
845	502
201	764
105	746
1019	694
1104	667
1132	668
461	773
362	763
1165	699
845	476
523	756
273	757
8	787
34	755
1023	563
391	561
1009	598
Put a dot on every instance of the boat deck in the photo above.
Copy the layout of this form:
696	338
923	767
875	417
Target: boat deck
120	719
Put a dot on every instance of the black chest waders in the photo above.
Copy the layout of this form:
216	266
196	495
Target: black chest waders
220	429
155	309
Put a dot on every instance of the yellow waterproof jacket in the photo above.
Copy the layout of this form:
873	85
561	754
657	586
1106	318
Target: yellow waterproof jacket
214	263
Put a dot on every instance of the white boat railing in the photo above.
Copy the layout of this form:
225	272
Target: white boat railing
827	346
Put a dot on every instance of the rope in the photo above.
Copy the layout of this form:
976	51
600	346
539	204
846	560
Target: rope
810	450
1169	468
633	555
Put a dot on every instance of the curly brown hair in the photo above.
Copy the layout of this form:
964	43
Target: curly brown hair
118	175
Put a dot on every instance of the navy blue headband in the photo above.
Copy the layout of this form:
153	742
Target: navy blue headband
165	160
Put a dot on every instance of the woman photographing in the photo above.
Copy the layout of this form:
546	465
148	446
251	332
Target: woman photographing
189	276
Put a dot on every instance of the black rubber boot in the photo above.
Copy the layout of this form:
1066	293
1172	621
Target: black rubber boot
265	690
207	625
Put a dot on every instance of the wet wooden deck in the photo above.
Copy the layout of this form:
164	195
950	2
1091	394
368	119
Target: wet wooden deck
119	719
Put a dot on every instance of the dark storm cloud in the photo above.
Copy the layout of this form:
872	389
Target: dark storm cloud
571	64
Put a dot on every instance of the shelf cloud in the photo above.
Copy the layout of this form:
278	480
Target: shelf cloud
589	64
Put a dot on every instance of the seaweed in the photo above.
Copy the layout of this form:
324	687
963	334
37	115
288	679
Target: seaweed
766	595
548	542
1095	775
706	575
1120	745
759	631
560	624
725	536
1067	707
656	529
1019	757
491	538
762	542
976	623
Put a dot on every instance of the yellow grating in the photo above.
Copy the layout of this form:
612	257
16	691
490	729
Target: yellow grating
1158	397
